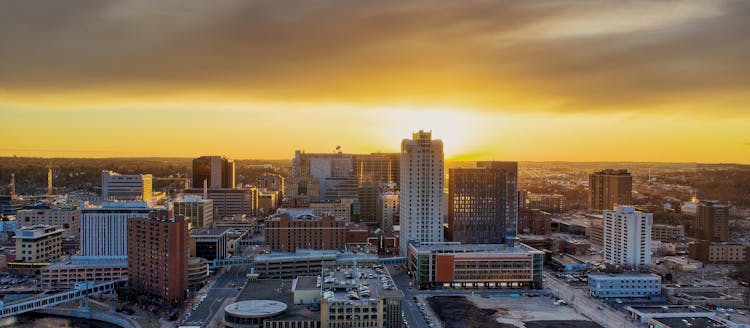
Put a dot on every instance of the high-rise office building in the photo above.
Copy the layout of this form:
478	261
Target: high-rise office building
217	171
482	203
126	187
609	189
421	190
198	212
712	222
158	256
627	236
104	230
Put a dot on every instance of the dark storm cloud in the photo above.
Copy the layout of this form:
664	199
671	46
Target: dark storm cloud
494	55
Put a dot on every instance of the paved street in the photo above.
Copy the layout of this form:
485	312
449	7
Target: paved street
578	299
222	289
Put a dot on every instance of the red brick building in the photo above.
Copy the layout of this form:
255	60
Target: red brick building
285	233
158	256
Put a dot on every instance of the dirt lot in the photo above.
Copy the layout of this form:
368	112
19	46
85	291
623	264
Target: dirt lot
457	312
505	312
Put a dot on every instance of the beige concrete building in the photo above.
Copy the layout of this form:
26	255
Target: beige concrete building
66	218
39	243
340	209
127	187
666	232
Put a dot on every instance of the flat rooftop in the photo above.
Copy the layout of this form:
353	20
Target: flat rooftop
621	275
691	322
352	285
208	231
567	259
303	254
306	283
473	248
279	290
669	309
89	263
707	294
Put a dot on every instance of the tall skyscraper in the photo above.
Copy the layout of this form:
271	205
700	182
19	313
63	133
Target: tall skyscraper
158	256
421	190
609	189
482	203
126	187
627	236
217	171
712	222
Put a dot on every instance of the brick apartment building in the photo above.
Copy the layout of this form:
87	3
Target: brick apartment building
158	256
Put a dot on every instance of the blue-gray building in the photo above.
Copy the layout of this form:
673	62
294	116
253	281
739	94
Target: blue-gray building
606	285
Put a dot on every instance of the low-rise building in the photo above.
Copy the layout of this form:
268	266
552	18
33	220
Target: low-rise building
645	313
210	244
681	263
63	276
611	285
303	262
708	252
459	265
359	296
197	273
567	263
36	247
687	322
666	232
707	295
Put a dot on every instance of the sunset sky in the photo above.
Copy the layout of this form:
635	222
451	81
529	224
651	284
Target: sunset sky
504	80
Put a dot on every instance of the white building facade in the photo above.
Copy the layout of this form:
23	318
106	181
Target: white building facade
126	187
421	194
627	236
104	230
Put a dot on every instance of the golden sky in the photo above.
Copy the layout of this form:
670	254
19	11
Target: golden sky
504	80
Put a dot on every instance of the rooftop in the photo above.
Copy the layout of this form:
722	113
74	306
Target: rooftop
208	232
690	322
306	283
670	309
255	308
454	247
278	290
601	275
89	262
357	285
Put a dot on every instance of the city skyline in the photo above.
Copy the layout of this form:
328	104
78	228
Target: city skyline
542	81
